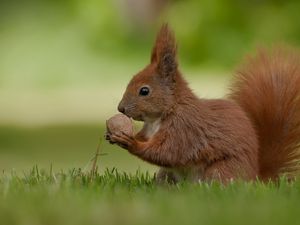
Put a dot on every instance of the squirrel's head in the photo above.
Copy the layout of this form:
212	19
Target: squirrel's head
150	93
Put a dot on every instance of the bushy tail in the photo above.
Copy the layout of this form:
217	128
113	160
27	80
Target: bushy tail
268	89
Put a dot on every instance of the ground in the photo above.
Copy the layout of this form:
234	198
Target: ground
74	197
39	186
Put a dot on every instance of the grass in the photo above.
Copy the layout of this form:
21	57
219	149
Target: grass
126	195
75	197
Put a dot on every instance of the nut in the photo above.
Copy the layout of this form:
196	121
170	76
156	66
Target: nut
119	123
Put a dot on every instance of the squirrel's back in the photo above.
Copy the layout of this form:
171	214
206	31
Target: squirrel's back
267	88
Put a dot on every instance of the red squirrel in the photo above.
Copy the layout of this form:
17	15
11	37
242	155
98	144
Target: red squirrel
252	134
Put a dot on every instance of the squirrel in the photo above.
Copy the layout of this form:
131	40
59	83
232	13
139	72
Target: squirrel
253	133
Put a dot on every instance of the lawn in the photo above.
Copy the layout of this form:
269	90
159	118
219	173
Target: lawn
76	197
39	186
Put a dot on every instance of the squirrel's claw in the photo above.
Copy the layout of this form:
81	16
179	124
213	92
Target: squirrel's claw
107	137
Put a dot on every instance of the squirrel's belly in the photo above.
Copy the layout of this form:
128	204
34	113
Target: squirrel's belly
191	174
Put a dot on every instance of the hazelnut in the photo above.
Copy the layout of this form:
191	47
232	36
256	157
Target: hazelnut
119	123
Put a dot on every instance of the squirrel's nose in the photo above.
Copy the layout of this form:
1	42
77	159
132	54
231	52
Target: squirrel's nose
121	109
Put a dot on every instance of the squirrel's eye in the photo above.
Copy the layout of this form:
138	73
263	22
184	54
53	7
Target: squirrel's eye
144	91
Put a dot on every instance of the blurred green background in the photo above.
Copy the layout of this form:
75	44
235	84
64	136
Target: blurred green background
65	64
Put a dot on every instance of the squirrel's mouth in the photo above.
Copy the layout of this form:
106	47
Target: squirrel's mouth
137	118
134	117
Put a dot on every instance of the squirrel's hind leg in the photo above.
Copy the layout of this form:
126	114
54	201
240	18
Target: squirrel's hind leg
226	171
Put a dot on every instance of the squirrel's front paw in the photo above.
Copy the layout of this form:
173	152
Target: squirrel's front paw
123	140
108	137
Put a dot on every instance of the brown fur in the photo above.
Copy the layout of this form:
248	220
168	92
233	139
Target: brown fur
199	139
268	89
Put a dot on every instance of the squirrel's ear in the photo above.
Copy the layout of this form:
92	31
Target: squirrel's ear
164	52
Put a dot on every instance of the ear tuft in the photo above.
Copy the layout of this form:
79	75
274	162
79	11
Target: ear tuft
164	53
167	64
